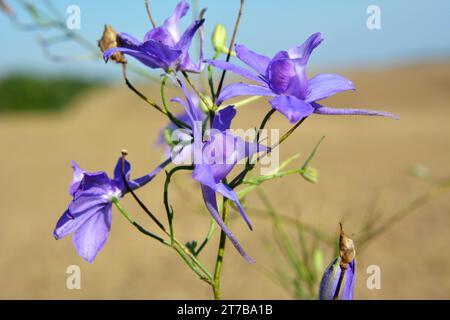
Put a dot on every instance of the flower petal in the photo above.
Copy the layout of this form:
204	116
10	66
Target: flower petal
223	118
256	61
349	279
292	108
223	65
139	55
162	53
118	172
245	149
304	51
319	109
171	25
209	197
86	202
230	194
68	224
126	40
186	39
203	174
162	35
288	76
142	181
78	175
94	179
90	238
323	86
243	89
220	154
330	281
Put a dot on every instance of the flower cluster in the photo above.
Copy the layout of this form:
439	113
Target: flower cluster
200	136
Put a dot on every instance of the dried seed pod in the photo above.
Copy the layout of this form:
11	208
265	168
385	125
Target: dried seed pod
347	250
110	40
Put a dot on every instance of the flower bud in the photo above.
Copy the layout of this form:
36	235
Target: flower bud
310	174
331	278
109	40
338	281
219	38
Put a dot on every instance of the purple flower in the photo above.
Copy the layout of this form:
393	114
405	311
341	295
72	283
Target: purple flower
177	142
89	213
163	47
330	281
284	79
214	155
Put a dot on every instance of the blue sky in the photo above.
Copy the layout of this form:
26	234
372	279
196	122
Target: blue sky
411	30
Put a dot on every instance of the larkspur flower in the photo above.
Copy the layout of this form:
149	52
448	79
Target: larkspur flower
89	213
163	47
284	79
177	142
215	157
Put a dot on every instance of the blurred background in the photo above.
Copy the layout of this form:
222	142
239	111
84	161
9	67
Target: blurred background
60	102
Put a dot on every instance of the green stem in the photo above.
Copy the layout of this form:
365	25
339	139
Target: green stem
169	209
169	114
220	252
212	229
211	78
190	260
241	103
197	91
249	165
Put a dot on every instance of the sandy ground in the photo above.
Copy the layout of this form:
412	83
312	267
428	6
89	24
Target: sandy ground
362	159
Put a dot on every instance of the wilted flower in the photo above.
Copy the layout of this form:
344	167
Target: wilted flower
108	41
284	79
214	159
338	281
163	47
89	213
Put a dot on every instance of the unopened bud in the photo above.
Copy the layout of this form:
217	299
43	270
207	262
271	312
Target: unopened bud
338	281
108	41
310	174
219	38
331	278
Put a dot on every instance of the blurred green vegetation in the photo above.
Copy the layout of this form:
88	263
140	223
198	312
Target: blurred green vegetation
20	92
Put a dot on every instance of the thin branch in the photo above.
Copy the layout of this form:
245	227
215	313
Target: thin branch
149	13
141	95
141	204
230	49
